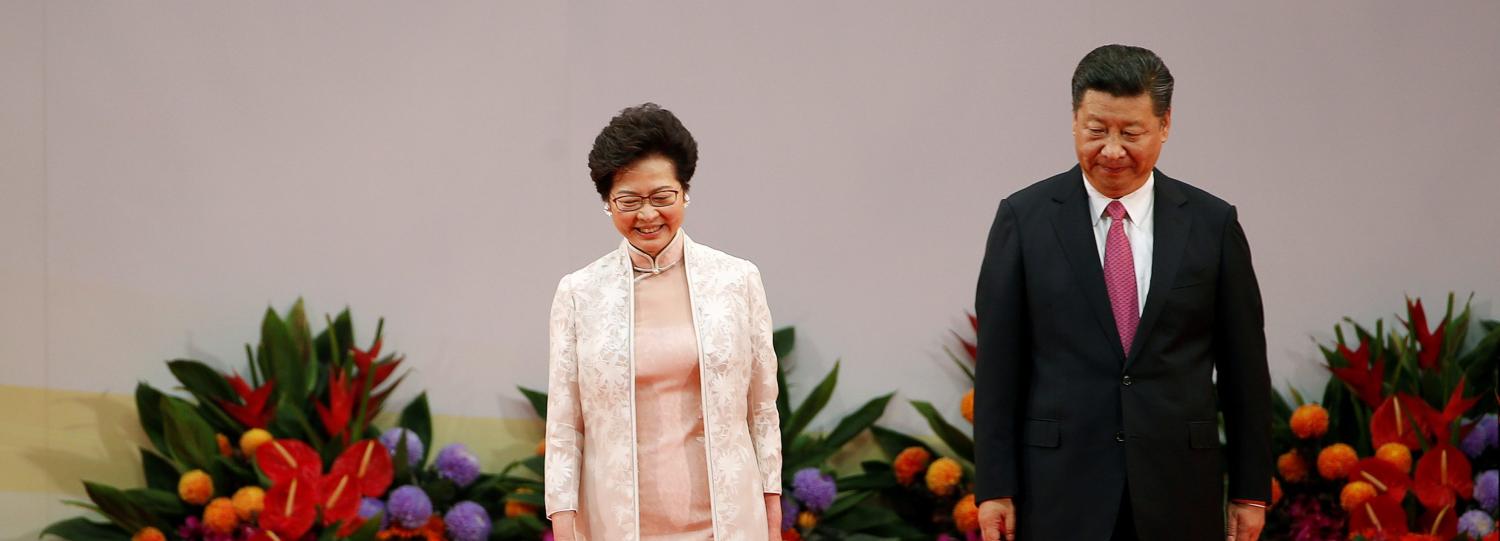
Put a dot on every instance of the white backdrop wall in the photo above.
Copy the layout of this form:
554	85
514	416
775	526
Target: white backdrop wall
170	169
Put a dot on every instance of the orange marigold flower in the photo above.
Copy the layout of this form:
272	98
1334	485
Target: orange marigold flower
220	516
1396	455
1336	461
911	462
943	475
807	520
1310	421
1292	467
195	487
1275	492
248	502
966	515
1355	494
541	447
148	534
517	509
224	448
966	406
252	439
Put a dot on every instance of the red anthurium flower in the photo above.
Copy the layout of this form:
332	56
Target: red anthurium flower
1379	514
254	410
1387	479
1431	342
1441	522
368	463
291	507
383	370
1402	418
1454	409
1443	474
285	459
338	495
340	408
1360	376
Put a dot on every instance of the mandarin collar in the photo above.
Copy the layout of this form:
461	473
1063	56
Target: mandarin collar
668	257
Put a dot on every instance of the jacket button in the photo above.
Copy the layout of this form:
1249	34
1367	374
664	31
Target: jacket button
1126	381
1120	437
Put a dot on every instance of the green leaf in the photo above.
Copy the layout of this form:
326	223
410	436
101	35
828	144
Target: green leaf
201	380
960	364
369	529
1297	397
782	341
156	502
531	498
845	502
810	407
418	419
148	407
869	481
862	518
300	333
293	382
534	463
82	529
160	473
189	438
783	399
961	444
115	505
892	442
857	422
538	400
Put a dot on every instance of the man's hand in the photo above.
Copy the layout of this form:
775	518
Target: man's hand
562	525
773	515
997	519
1245	522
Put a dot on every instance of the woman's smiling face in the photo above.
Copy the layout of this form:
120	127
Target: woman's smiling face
649	228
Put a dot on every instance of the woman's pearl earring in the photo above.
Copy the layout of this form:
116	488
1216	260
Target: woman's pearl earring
607	212
686	200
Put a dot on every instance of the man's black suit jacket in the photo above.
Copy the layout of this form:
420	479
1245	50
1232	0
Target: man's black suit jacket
1065	419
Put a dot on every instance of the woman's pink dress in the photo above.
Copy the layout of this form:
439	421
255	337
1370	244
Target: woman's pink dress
673	462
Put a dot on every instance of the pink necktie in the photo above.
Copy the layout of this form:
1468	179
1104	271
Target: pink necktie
1119	276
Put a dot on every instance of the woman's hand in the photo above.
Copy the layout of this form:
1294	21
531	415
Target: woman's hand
562	525
773	515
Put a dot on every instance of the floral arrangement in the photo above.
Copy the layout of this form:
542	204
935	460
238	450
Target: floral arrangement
1402	446
292	453
931	493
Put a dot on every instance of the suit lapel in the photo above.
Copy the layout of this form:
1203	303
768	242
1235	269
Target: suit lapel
1073	225
1170	233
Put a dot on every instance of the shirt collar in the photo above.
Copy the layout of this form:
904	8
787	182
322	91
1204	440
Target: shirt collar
668	256
1138	204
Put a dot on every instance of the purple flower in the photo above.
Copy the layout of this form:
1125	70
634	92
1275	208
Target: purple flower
409	506
369	507
788	512
1311	522
814	489
455	463
392	437
547	535
1487	490
191	529
467	521
1476	523
1484	435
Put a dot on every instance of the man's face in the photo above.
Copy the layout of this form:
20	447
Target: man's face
1118	140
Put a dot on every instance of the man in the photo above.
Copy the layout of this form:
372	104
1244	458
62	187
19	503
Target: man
1108	298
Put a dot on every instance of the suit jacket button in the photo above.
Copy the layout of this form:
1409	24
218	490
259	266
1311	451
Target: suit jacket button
1120	437
1126	381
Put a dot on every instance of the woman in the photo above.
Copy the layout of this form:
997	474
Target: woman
661	412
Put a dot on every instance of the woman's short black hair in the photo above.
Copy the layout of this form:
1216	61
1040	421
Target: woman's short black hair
1124	71
639	132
